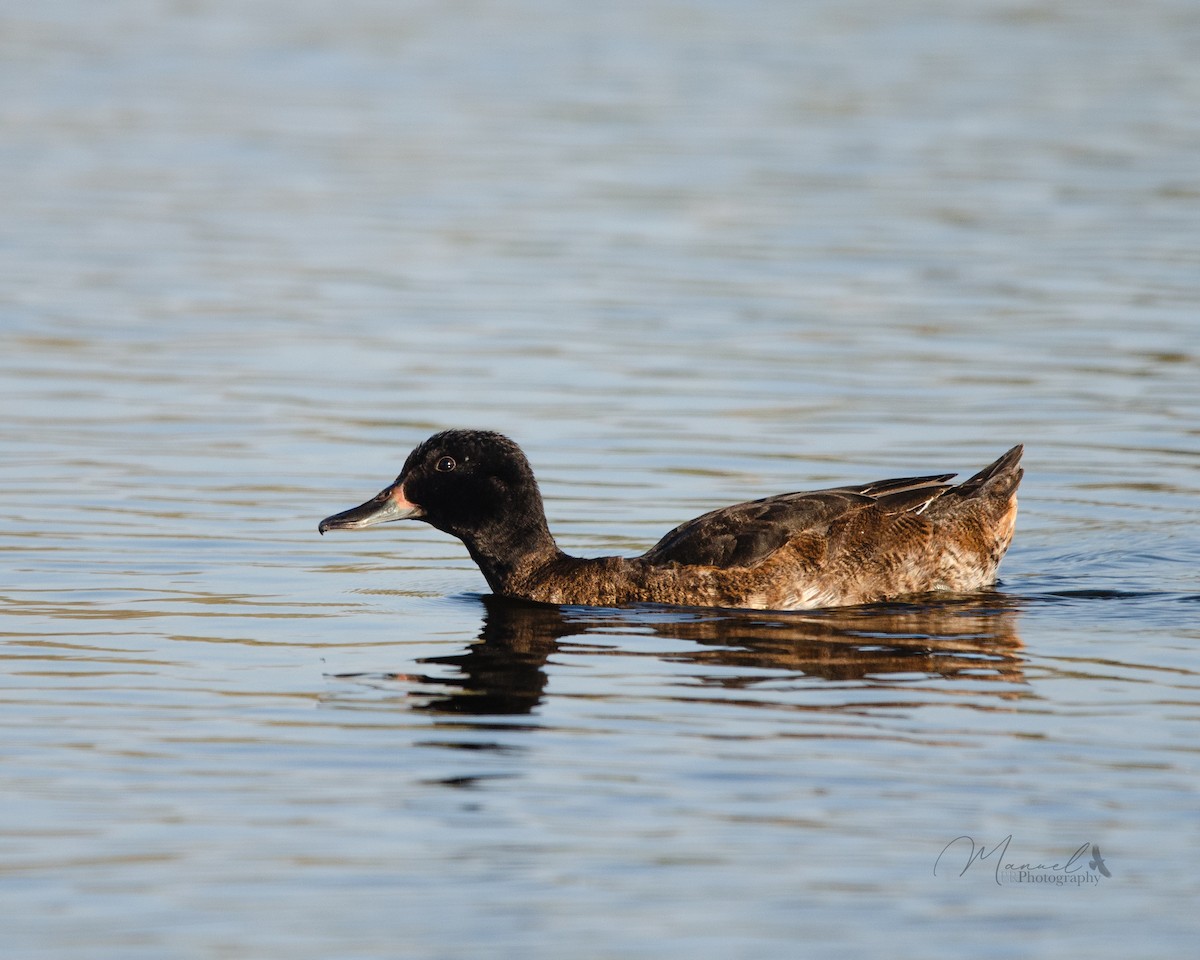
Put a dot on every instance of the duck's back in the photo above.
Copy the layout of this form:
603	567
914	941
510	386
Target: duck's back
745	534
845	545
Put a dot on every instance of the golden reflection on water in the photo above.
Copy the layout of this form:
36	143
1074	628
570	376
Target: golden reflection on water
968	641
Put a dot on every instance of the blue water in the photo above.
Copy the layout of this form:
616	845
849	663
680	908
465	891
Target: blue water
686	255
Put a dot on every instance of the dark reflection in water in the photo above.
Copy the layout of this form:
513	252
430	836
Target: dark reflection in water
504	673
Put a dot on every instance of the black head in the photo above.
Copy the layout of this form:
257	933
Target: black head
465	482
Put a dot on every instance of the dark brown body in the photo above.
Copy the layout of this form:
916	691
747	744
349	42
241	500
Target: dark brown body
827	548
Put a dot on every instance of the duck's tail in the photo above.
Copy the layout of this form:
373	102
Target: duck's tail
999	479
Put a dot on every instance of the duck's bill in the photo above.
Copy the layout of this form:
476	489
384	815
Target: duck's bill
389	505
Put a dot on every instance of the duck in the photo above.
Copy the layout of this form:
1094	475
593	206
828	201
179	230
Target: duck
842	546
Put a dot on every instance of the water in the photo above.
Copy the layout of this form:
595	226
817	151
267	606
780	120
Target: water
686	255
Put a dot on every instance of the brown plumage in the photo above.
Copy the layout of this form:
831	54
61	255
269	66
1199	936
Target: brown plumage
826	548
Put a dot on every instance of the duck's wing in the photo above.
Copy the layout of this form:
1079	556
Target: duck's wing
746	533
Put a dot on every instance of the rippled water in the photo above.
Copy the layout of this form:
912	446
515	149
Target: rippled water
686	254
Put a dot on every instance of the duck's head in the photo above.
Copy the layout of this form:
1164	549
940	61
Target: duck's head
460	481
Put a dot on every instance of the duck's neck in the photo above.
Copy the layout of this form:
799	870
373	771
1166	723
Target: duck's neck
510	551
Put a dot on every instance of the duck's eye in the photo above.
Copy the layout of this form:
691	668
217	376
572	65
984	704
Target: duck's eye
445	465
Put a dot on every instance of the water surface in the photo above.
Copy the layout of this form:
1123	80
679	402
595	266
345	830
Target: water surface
686	255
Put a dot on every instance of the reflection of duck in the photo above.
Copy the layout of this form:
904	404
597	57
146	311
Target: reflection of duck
974	639
505	674
829	548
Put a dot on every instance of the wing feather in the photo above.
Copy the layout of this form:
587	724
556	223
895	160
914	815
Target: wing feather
745	534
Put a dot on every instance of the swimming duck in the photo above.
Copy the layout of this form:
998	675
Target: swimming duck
826	548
